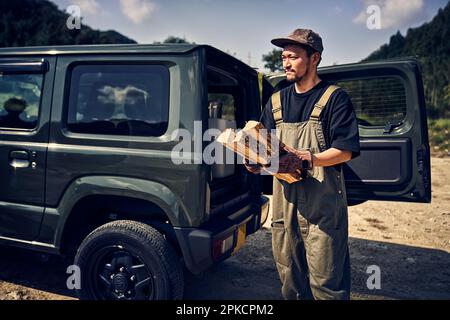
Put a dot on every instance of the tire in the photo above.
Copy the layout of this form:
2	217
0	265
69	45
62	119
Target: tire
128	260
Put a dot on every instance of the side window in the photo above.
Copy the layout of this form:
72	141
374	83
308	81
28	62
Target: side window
128	100
20	97
377	101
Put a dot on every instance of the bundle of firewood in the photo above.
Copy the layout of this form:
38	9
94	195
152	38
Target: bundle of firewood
257	146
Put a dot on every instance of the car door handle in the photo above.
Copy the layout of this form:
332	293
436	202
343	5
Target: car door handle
19	154
19	159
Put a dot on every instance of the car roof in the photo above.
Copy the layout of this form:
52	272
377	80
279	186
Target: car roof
101	49
172	48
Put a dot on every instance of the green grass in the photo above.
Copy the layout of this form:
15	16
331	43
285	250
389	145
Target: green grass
439	135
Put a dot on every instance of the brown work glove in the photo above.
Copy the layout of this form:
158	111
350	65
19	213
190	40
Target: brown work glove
293	160
252	168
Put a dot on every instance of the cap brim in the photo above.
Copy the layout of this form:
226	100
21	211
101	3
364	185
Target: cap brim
282	42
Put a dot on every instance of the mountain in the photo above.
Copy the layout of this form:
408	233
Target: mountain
40	22
430	43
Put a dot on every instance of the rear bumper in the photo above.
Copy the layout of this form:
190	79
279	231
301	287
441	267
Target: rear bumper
197	243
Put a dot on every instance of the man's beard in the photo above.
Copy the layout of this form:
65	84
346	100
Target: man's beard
295	79
298	78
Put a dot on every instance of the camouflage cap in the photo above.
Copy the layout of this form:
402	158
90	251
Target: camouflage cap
305	37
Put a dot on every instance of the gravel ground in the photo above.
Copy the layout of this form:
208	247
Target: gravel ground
409	242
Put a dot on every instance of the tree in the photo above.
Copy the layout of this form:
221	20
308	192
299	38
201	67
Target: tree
173	39
40	23
447	94
273	60
429	43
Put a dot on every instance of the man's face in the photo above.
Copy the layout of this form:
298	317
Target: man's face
296	63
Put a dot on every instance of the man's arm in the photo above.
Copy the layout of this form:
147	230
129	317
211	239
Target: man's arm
331	157
327	158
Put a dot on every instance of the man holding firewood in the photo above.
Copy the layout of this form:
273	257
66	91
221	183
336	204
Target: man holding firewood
317	123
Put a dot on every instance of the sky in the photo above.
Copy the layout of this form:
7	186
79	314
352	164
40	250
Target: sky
350	29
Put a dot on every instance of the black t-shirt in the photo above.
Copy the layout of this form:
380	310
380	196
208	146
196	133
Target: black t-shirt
338	117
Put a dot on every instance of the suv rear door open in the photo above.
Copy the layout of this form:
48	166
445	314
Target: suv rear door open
389	102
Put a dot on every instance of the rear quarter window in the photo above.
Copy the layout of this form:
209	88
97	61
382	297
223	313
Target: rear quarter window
131	100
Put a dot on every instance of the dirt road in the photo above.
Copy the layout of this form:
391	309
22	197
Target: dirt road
410	243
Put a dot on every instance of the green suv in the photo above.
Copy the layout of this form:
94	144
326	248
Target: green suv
88	167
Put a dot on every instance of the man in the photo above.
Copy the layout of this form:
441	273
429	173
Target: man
309	223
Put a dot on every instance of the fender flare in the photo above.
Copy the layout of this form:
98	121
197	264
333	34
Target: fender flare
151	191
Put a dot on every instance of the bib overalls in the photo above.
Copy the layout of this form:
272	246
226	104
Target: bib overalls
310	223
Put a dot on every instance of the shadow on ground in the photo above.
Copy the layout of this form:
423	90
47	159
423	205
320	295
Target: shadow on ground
406	273
31	270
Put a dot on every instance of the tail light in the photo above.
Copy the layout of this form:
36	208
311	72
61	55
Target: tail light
222	246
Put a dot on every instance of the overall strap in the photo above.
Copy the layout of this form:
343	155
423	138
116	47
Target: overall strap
320	105
276	108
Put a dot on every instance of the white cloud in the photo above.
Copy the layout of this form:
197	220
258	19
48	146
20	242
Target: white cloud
137	10
394	13
87	6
